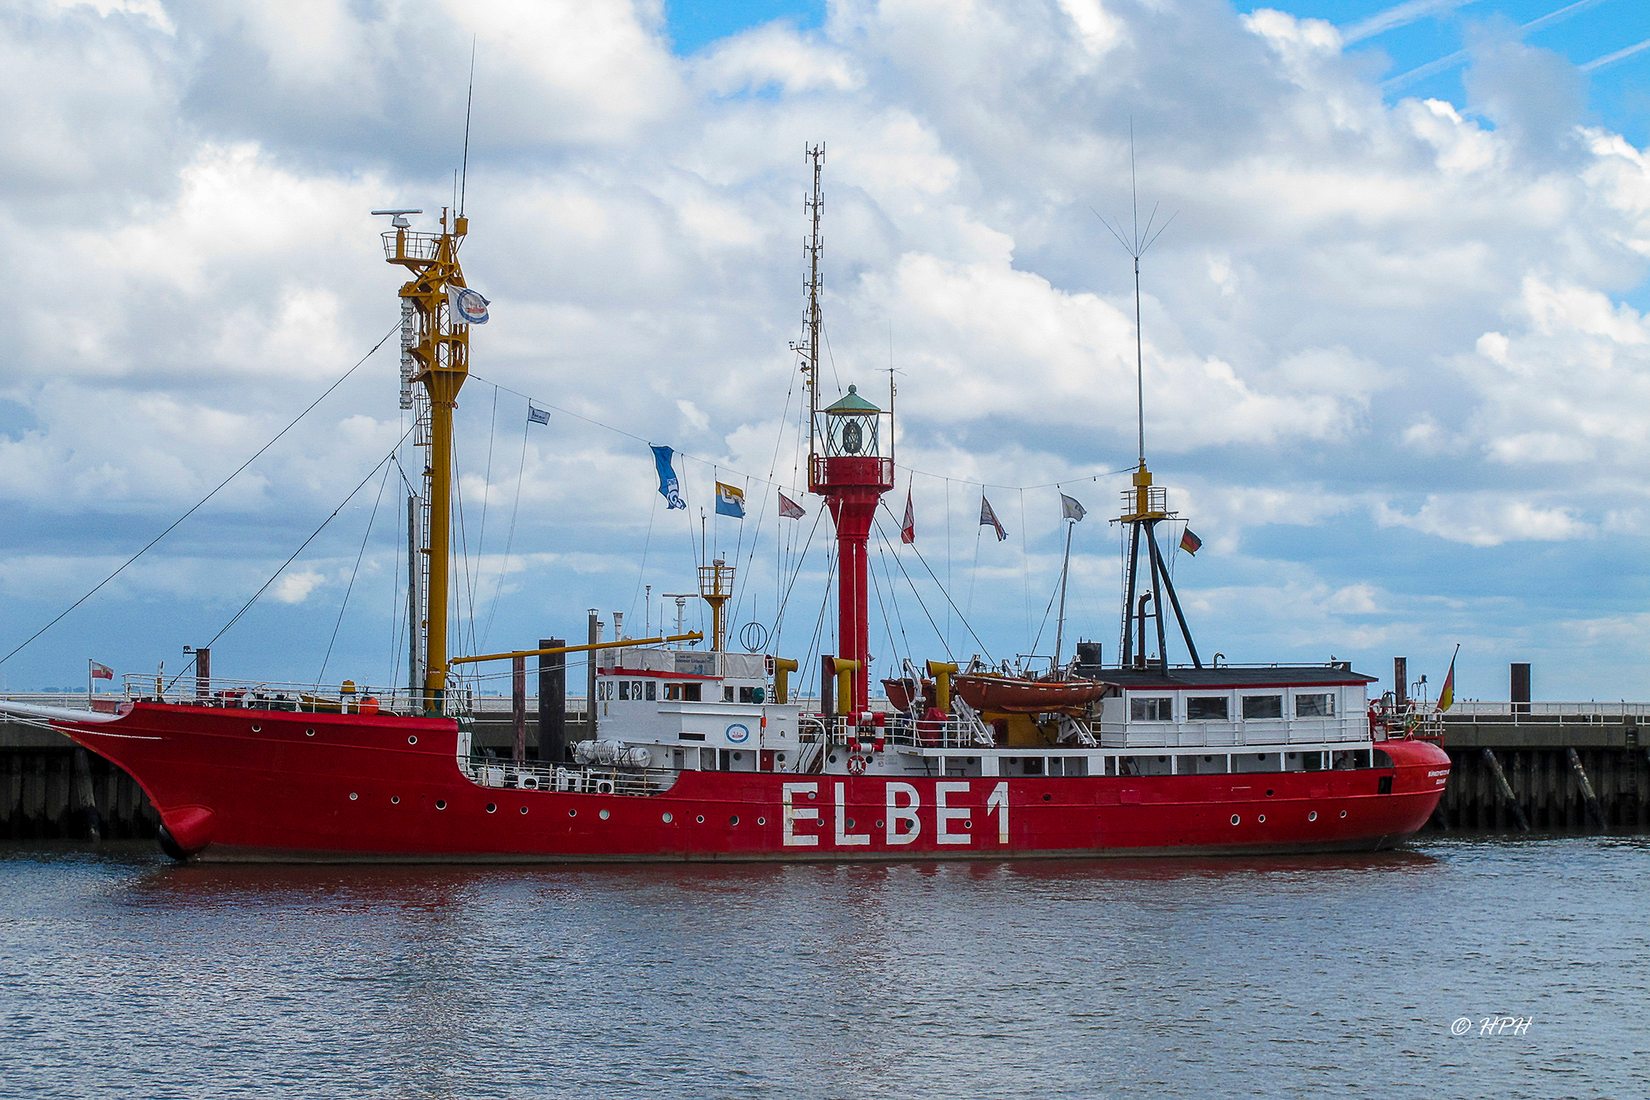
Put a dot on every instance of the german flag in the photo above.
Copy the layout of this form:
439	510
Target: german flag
1190	542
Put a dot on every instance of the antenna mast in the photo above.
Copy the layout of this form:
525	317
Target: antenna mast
1145	505
809	348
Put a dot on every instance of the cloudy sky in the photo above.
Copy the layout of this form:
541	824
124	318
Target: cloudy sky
1397	359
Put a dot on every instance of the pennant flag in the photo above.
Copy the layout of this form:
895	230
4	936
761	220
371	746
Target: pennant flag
987	516
467	306
790	509
1190	542
537	416
1070	509
730	501
1446	697
669	487
908	529
101	671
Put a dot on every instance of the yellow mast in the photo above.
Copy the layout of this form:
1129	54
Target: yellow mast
441	361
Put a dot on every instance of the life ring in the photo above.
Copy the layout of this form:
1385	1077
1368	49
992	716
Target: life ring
856	764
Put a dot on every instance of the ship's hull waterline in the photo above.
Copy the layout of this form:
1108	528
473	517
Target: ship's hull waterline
233	784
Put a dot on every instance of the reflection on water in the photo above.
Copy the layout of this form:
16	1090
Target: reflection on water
122	972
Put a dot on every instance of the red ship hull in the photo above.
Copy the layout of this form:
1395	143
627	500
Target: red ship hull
252	784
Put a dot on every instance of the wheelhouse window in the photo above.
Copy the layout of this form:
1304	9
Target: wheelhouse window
1262	706
652	691
1315	705
682	693
1208	708
1151	708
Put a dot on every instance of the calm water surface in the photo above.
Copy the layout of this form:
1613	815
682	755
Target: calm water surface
121	974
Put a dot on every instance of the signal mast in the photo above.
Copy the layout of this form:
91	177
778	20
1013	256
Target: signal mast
847	466
435	355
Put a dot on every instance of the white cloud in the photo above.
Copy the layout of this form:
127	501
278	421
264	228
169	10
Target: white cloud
297	587
1413	317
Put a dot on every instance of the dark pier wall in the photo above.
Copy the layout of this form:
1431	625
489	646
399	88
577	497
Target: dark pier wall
1572	773
50	791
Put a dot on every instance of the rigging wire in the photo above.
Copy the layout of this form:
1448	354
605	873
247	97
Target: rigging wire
294	555
359	554
509	536
395	328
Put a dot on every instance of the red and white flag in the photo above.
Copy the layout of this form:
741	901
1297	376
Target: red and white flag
789	508
101	671
908	528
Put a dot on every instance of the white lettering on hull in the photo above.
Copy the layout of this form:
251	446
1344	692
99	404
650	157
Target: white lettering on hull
901	800
791	814
843	836
952	816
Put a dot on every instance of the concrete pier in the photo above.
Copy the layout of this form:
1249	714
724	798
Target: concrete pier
1546	767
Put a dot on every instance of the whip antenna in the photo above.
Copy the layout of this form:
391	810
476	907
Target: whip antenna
1136	244
469	98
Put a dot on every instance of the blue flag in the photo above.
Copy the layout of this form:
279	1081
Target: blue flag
669	487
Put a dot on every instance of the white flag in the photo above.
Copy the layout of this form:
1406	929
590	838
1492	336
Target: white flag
1071	509
467	306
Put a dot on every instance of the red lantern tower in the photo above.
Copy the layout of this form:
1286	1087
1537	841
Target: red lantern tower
850	464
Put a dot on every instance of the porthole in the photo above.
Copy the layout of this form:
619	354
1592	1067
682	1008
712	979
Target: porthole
738	757
441	803
1312	815
257	729
969	824
412	739
831	759
780	757
1268	792
604	815
1235	819
309	733
850	823
667	817
1048	798
812	795
395	800
1261	819
1343	813
761	821
572	813
880	823
734	820
700	819
353	796
524	811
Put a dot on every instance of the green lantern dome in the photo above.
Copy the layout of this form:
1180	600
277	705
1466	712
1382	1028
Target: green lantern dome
852	404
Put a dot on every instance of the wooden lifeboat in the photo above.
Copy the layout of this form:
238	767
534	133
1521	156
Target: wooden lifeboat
1012	695
903	692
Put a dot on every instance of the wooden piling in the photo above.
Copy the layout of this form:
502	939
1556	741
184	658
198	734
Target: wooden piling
83	799
1508	799
1586	788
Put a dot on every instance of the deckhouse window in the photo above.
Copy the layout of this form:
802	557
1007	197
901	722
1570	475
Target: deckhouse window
1263	706
1315	706
624	689
1151	708
652	691
682	693
1208	708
